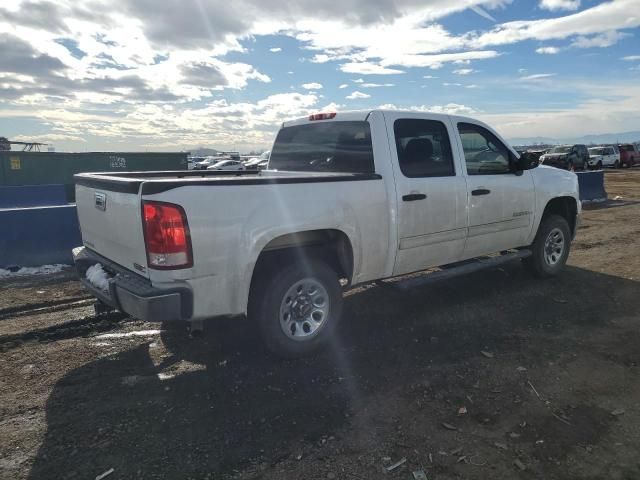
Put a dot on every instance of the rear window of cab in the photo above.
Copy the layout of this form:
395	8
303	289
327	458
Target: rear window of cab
324	147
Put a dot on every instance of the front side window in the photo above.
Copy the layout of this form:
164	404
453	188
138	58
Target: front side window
484	154
324	147
424	149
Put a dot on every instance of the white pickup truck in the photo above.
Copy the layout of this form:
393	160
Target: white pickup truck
347	198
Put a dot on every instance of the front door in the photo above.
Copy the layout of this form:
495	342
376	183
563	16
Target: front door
431	192
501	202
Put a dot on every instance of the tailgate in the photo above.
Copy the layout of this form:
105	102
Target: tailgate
111	225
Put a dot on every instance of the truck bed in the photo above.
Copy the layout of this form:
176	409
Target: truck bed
147	183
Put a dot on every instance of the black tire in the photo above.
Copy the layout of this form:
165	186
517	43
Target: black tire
618	164
585	165
269	292
599	165
537	263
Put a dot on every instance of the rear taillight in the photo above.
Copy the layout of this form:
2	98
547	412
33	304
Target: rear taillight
166	236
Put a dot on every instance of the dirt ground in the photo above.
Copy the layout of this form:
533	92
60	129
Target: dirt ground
492	375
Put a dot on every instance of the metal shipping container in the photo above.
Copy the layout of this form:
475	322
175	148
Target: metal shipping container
37	168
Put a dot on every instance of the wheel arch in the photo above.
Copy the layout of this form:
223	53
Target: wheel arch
566	207
331	245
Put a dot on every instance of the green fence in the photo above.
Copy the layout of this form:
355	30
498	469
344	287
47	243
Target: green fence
37	168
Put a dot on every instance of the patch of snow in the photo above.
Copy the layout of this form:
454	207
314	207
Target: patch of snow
98	277
41	270
136	333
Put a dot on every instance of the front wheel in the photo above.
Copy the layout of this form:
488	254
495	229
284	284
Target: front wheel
297	307
550	249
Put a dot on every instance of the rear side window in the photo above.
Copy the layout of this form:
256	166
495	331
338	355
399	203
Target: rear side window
424	149
324	147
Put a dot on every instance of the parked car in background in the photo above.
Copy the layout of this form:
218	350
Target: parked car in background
206	162
227	165
347	199
629	155
536	154
567	157
605	156
193	161
255	162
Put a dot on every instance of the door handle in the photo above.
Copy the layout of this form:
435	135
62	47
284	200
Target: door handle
480	191
412	197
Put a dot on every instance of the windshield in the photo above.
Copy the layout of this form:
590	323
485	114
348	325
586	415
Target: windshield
324	147
561	149
598	151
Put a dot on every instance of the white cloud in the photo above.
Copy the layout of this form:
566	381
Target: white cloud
429	77
367	68
344	85
473	85
464	71
452	84
547	50
377	85
141	72
560	4
275	49
482	12
613	109
602	40
602	18
449	108
631	58
355	95
537	76
312	86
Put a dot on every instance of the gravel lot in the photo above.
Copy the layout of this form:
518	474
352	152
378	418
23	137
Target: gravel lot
492	375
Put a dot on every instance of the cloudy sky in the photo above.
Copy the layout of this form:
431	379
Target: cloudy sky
178	74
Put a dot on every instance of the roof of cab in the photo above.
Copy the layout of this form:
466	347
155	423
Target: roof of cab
361	115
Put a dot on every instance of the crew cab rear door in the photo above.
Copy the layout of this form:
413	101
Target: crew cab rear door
430	190
501	202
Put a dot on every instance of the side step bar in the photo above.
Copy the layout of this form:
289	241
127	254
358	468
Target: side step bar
461	268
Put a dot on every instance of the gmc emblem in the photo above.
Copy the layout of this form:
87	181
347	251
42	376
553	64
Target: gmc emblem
101	201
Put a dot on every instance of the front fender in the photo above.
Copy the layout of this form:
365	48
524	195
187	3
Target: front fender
551	183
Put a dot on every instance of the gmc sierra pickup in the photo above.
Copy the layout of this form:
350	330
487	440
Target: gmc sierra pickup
347	198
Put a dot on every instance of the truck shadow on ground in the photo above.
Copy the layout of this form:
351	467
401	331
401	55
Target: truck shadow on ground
219	404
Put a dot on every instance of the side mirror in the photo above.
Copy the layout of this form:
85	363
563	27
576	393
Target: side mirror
527	161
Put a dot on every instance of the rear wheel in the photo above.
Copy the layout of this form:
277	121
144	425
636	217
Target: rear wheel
599	165
297	307
550	249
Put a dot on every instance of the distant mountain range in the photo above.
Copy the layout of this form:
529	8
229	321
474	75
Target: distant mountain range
624	137
203	152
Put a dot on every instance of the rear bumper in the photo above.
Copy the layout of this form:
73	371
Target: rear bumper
133	294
